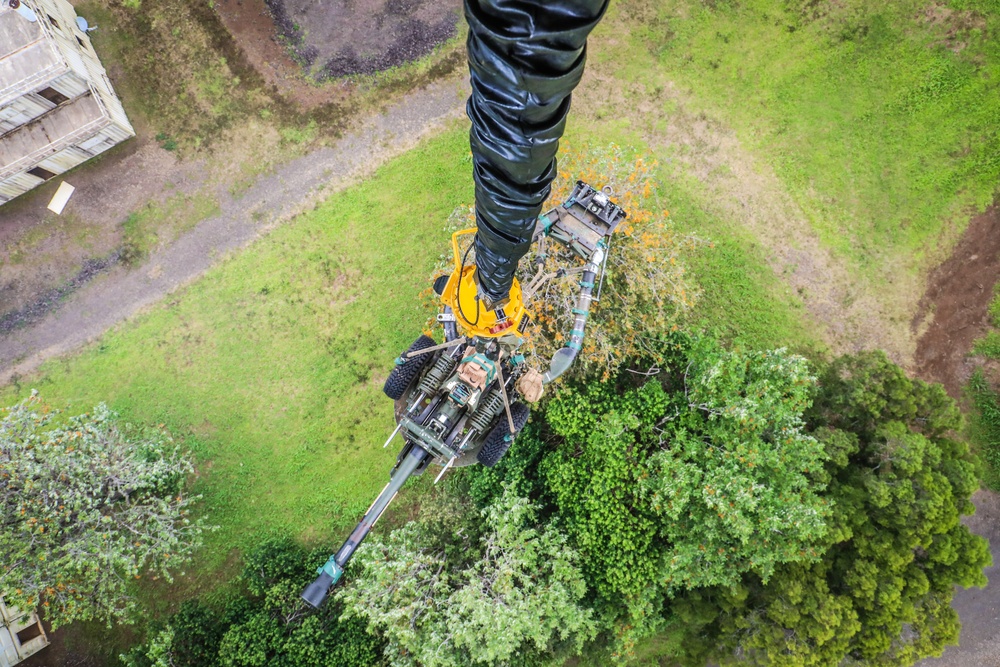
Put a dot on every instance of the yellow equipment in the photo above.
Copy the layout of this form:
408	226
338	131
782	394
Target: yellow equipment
461	294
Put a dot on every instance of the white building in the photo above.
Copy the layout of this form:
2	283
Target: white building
21	635
57	106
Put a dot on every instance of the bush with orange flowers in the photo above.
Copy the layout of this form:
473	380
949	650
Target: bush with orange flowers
646	287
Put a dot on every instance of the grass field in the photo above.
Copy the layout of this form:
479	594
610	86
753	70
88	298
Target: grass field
270	367
742	299
881	119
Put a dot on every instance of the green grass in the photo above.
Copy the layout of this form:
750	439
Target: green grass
180	75
984	426
988	346
742	299
994	308
270	367
883	124
158	223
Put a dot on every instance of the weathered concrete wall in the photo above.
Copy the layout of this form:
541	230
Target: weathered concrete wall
57	106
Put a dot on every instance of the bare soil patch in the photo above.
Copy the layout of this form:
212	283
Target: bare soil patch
251	25
958	294
335	39
846	309
41	252
951	315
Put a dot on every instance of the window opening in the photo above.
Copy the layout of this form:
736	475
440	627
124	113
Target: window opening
53	95
29	633
41	173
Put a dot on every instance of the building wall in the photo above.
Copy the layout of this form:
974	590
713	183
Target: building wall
75	46
33	114
32	105
21	635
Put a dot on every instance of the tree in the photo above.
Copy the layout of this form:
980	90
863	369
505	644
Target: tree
270	626
88	505
895	548
691	480
444	595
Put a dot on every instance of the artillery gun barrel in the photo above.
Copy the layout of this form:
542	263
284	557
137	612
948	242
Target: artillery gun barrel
330	573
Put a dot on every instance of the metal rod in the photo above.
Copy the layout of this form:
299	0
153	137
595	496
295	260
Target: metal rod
604	268
398	426
434	348
445	469
409	463
330	573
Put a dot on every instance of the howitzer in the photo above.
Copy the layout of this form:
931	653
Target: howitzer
464	401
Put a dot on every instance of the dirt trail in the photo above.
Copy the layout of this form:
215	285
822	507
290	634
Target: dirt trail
958	295
852	314
296	186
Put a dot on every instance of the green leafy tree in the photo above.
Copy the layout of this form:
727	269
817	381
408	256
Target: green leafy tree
895	547
86	507
271	627
444	596
665	489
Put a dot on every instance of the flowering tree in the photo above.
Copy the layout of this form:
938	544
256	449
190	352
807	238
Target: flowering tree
646	287
86	506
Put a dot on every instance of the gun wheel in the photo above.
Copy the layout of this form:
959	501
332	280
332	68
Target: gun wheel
499	439
403	374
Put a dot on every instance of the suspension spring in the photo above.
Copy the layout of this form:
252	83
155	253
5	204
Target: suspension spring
489	407
437	374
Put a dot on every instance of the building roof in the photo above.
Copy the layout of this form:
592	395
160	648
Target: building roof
28	56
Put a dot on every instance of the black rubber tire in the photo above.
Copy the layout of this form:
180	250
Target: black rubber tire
402	375
498	440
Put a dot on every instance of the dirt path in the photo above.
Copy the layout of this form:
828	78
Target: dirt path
849	313
116	296
951	316
953	310
40	250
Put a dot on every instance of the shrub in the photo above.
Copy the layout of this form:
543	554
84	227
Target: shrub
442	597
271	626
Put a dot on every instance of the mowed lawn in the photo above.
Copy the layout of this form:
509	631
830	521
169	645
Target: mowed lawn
882	120
270	367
